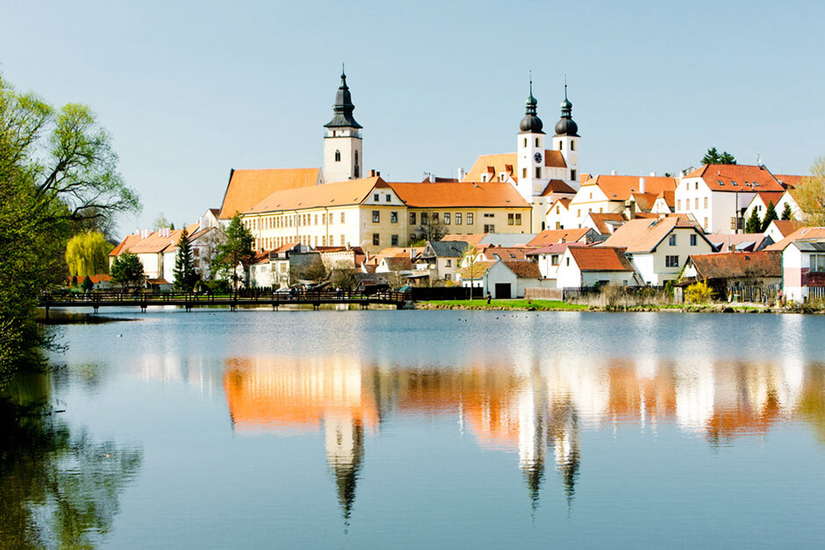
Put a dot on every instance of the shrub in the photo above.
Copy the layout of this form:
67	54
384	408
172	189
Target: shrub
698	293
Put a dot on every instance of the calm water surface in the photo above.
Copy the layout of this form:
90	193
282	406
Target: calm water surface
441	429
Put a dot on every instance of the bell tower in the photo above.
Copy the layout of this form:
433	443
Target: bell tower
567	139
343	157
532	174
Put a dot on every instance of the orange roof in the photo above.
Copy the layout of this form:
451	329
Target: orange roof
498	163
504	253
474	239
786	227
669	197
727	265
155	243
564	201
621	187
736	177
600	258
101	278
600	218
247	188
464	195
645	201
789	180
524	269
644	235
340	193
549	236
557	186
799	234
554	159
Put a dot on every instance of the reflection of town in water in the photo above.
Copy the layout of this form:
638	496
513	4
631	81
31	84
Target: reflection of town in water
538	410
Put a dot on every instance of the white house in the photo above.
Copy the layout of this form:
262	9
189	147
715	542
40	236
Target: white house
803	270
501	279
583	266
779	199
659	248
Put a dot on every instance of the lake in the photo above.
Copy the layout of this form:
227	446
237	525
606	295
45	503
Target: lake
432	429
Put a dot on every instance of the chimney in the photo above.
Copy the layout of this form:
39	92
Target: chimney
612	172
681	173
460	174
653	174
630	209
432	178
642	184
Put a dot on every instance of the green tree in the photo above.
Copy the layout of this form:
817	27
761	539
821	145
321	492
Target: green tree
236	251
185	275
161	222
770	215
754	224
87	285
715	157
58	176
344	279
810	195
87	253
127	270
786	212
470	268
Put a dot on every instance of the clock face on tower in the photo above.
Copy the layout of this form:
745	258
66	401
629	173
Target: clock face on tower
537	156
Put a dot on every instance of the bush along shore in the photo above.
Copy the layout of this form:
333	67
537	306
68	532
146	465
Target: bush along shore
555	305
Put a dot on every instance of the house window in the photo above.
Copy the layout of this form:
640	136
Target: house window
489	215
579	213
524	173
469	218
705	225
706	202
412	218
393	217
425	219
696	203
538	172
511	219
573	175
518	219
376	198
337	156
567	263
343	240
342	217
525	142
697	186
448	277
316	219
356	161
693	240
375	239
388	197
678	204
394	240
671	261
671	240
572	145
489	228
537	142
435	217
554	259
817	262
376	216
458	218
446	218
448	263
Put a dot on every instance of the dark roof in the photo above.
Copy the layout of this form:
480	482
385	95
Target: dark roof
733	265
343	108
810	246
449	249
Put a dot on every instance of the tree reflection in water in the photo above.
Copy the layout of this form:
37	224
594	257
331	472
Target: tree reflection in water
59	489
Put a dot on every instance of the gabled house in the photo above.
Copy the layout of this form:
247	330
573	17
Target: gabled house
658	248
741	242
442	258
718	194
779	199
746	276
779	229
501	279
584	266
803	270
582	235
548	259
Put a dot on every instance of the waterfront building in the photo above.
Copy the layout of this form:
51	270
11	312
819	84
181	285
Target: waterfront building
583	266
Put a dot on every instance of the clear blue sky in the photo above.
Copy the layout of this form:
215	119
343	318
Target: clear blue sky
189	90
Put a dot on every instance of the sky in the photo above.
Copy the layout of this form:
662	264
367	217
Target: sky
190	90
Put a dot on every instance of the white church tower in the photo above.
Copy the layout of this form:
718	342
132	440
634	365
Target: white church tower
532	173
567	139
343	156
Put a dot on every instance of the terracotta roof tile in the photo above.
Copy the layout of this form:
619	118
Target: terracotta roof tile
786	227
721	177
600	258
524	269
727	265
497	162
621	187
474	239
341	193
799	234
247	188
643	235
554	159
549	236
504	253
600	219
462	195
557	186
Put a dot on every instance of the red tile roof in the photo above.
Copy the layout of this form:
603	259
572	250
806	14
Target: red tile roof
549	236
340	193
735	265
524	269
786	227
600	258
800	234
618	188
474	239
643	235
557	186
246	188
554	159
459	195
736	177
600	219
504	253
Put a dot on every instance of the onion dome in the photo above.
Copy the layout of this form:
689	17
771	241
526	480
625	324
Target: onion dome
566	126
343	107
531	123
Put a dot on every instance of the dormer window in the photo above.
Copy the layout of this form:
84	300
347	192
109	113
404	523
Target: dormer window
734	183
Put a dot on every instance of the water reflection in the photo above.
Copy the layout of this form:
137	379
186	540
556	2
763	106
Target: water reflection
59	488
535	409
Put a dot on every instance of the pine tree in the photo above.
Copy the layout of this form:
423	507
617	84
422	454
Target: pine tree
786	212
770	215
754	224
237	250
185	275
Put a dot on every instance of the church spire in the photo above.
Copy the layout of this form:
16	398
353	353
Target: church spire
566	126
343	106
531	123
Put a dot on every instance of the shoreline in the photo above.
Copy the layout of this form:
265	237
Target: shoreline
552	305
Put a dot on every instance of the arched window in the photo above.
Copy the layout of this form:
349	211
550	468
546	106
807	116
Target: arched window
337	156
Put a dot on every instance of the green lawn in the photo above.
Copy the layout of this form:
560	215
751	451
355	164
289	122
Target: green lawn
508	304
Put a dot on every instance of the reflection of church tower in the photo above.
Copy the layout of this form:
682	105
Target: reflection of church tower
342	143
564	435
345	454
532	445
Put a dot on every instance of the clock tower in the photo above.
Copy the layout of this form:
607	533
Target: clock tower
532	175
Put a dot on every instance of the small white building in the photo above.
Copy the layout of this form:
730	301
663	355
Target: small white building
583	266
803	270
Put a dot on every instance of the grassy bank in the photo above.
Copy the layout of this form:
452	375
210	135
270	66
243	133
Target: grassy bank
524	305
555	305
